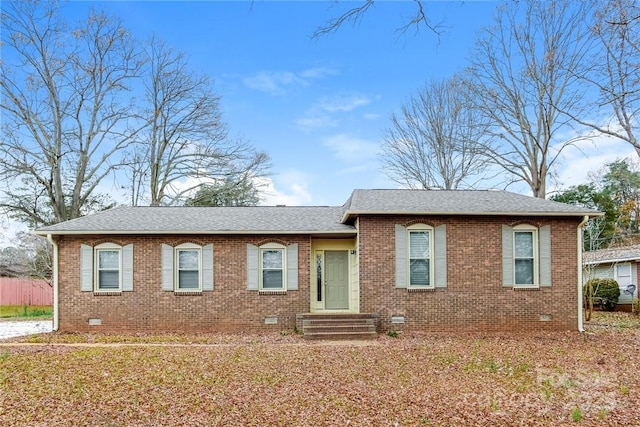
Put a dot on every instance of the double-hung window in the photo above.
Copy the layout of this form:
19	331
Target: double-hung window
420	265
108	262
188	271
106	268
525	256
420	256
272	267
187	268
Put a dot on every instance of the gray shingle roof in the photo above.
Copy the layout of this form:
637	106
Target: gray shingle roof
308	219
603	256
213	220
456	202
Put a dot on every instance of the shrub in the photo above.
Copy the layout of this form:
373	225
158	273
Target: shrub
605	292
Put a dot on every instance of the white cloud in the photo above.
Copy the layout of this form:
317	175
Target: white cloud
343	103
371	116
277	82
289	188
352	150
323	113
187	187
315	121
588	156
319	73
292	190
272	82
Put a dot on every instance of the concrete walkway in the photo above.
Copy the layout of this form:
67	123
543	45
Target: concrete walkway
15	328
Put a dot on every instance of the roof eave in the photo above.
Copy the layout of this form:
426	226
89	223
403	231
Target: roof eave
184	232
612	260
349	214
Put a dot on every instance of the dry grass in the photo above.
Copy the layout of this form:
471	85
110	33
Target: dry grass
545	379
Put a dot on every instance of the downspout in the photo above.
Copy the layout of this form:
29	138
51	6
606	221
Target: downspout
585	219
54	274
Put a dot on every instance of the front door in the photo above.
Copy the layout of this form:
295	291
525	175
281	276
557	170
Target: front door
337	280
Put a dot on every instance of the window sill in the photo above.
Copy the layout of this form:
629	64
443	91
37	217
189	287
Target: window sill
421	289
526	288
268	292
186	293
106	293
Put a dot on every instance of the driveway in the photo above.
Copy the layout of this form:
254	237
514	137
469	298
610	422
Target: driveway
12	328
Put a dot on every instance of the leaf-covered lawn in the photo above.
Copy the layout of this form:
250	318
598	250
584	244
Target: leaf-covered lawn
542	379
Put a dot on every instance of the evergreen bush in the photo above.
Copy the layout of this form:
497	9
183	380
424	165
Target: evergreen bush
605	292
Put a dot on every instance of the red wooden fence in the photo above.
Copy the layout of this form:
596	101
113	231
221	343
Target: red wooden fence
25	292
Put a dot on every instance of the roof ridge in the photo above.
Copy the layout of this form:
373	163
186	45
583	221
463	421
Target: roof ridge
216	207
474	190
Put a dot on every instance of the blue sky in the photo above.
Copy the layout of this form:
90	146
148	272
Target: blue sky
319	107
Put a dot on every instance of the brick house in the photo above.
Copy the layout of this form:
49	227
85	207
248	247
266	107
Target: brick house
405	259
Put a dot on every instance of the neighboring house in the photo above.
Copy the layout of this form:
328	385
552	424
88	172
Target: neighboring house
620	264
413	259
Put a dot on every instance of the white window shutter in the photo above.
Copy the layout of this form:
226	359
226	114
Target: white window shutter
507	256
401	256
292	267
252	267
167	267
207	267
545	255
127	268
86	268
440	248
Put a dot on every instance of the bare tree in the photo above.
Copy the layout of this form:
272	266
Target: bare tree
185	144
593	233
13	262
434	141
521	70
30	256
38	254
614	72
64	122
354	15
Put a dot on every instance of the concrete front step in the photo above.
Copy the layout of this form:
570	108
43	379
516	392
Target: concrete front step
339	326
338	322
340	336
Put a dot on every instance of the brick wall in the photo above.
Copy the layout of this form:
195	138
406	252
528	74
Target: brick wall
474	299
229	307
